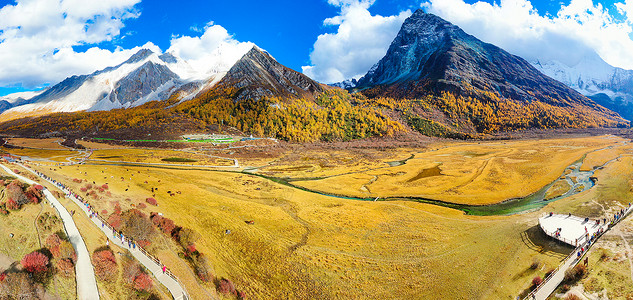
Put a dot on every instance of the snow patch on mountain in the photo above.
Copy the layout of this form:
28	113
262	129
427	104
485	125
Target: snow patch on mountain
144	77
15	97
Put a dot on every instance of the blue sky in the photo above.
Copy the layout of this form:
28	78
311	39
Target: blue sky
329	40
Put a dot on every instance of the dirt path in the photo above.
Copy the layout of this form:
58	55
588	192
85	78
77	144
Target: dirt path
86	282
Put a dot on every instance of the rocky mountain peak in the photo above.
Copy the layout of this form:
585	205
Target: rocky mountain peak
259	75
139	56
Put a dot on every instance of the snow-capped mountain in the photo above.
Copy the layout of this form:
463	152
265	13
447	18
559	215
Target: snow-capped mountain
144	77
609	86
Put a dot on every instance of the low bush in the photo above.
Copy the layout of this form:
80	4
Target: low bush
105	265
572	296
575	274
226	287
52	243
535	264
65	267
35	262
151	201
142	282
536	281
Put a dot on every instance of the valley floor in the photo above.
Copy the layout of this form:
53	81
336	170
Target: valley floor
262	225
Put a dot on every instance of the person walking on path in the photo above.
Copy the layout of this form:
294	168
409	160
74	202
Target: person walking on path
164	268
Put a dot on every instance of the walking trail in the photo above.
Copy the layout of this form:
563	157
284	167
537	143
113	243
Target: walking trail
166	278
85	275
550	284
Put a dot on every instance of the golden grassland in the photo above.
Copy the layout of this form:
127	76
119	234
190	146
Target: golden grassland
98	146
557	189
598	158
157	156
51	155
482	173
162	247
49	143
29	236
304	245
302	163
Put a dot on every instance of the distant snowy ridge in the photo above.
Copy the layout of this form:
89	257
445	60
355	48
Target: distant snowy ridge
144	77
610	86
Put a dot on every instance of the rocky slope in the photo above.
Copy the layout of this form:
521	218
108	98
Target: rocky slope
432	57
258	75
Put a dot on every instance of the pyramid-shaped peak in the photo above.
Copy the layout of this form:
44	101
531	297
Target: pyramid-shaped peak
257	52
139	56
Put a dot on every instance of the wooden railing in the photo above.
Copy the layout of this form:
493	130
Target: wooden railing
76	196
584	245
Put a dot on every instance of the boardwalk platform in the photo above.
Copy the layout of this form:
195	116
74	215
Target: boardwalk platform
571	230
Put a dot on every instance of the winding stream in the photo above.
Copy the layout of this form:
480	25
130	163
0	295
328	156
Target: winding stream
579	181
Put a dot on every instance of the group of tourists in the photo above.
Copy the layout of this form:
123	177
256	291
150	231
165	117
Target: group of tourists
131	243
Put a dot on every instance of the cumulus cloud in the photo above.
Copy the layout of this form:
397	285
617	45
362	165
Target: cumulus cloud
212	52
361	40
578	30
37	36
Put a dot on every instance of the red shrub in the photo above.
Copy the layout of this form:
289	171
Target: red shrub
141	205
16	171
2	182
536	281
108	194
191	248
101	190
105	186
226	287
12	205
35	262
117	209
14	191
65	267
52	243
115	221
151	201
88	186
241	295
3	276
83	189
166	225
142	282
104	212
104	264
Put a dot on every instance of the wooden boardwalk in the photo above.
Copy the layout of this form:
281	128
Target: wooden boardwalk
549	285
84	272
152	264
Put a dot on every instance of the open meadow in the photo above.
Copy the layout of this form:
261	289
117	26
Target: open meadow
276	241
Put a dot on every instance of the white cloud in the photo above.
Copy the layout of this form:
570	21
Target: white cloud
577	30
212	52
37	36
360	41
